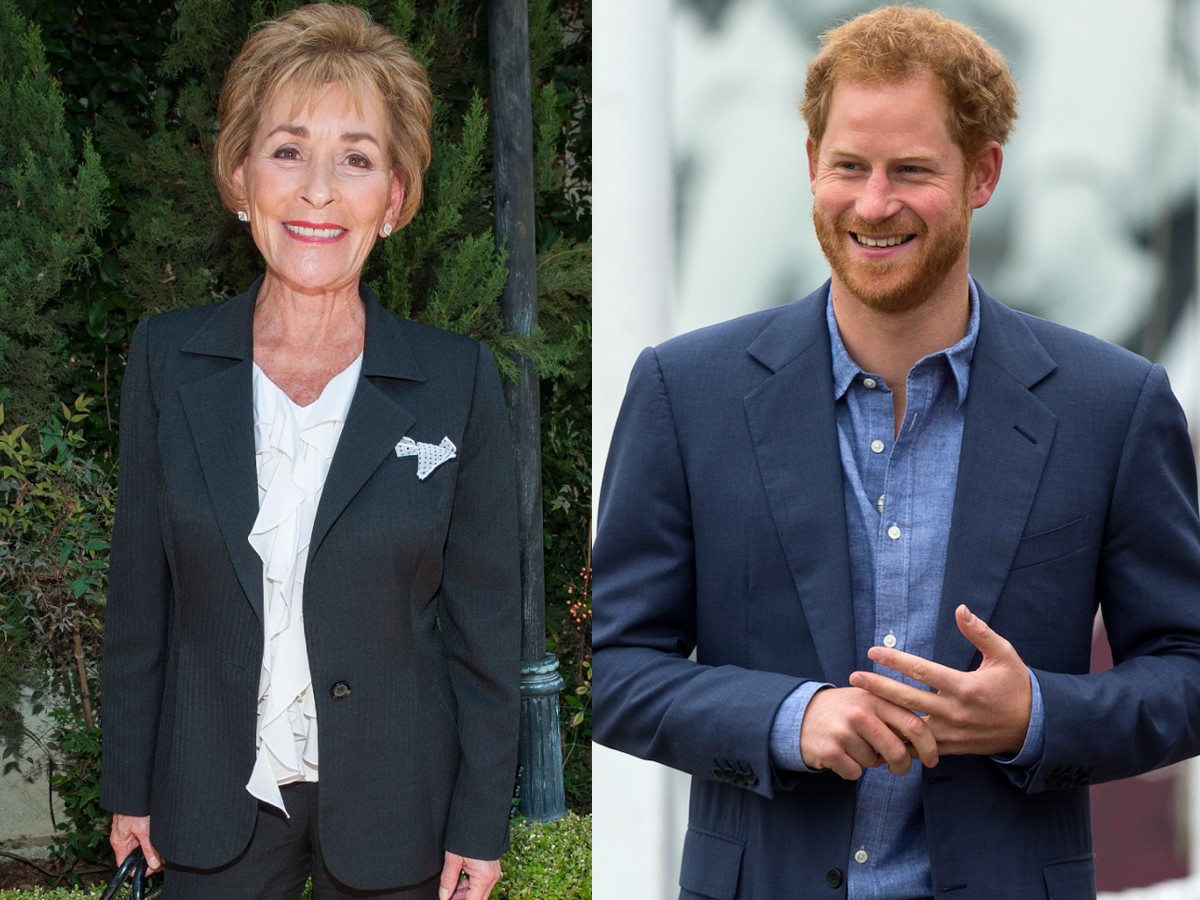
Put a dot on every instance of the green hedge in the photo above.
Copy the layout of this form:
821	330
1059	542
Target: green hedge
545	862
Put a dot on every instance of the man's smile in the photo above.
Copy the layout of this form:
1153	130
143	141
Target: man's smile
889	241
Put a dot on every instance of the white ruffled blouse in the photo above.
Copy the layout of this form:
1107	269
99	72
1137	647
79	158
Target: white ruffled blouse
294	446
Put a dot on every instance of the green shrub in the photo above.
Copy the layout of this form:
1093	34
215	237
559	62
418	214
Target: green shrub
548	860
56	506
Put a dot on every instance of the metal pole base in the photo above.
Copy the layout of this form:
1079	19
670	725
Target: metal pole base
542	796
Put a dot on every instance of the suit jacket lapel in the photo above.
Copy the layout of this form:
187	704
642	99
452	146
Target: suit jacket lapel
794	430
220	413
1006	440
375	422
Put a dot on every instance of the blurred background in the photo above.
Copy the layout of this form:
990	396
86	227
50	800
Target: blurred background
702	212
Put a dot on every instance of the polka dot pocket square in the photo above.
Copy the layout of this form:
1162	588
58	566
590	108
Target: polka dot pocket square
429	456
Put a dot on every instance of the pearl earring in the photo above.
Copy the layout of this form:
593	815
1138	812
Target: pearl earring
387	228
243	216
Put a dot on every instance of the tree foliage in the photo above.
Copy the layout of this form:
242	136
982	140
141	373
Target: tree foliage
52	208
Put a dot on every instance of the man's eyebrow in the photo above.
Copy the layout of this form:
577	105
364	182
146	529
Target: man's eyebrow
908	155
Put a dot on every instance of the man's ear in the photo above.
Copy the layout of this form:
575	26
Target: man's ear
812	149
985	174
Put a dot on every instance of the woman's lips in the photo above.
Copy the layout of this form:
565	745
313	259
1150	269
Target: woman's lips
312	231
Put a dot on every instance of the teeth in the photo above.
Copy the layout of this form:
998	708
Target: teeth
333	231
880	242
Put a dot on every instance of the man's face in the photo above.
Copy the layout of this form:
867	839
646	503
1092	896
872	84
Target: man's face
892	197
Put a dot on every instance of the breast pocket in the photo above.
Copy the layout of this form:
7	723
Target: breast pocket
1047	546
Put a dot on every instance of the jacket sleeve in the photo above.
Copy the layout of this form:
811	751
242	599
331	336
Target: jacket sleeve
136	618
480	617
650	698
1145	711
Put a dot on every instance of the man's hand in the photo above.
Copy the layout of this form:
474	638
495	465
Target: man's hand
467	879
849	730
984	712
128	832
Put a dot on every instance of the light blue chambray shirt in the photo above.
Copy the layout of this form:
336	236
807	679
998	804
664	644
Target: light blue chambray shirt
899	495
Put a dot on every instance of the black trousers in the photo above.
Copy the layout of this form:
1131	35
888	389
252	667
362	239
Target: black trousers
283	852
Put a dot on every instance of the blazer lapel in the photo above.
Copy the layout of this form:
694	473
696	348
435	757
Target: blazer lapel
375	422
794	430
220	412
1006	441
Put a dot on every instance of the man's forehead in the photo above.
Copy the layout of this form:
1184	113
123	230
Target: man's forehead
915	104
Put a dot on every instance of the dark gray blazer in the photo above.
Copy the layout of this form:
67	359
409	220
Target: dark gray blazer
411	602
722	529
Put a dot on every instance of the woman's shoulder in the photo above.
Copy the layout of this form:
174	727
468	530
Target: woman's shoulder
228	322
431	348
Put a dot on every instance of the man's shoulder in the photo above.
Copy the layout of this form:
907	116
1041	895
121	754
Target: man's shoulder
735	339
1075	351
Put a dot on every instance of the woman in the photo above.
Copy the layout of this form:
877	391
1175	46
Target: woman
315	527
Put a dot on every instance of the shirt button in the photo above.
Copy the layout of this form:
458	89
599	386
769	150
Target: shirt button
894	532
860	856
877	446
879	504
889	641
870	384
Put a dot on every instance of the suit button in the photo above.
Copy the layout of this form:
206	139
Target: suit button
833	878
751	780
718	773
340	690
729	775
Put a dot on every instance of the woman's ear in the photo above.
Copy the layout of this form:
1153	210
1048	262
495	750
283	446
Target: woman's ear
396	200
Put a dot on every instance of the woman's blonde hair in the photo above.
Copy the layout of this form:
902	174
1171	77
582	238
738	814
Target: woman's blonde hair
308	49
896	42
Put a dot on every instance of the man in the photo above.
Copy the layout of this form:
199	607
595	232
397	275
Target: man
883	519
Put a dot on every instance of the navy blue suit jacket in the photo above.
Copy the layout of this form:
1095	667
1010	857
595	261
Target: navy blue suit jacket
411	602
722	530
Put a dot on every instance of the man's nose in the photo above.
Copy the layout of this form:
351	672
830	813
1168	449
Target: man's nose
877	201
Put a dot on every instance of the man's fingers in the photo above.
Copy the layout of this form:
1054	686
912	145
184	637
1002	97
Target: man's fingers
979	633
919	669
919	739
897	693
899	704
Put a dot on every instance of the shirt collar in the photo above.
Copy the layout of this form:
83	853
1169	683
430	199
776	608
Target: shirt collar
958	357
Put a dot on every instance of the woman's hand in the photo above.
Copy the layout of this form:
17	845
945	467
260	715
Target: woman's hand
468	879
128	832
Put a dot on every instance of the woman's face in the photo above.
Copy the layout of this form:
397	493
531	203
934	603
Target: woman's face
318	188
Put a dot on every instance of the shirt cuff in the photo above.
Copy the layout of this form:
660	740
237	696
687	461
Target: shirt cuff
1035	737
785	730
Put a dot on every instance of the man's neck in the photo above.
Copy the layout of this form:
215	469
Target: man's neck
890	344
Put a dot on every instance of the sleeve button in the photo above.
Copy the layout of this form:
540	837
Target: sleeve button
340	690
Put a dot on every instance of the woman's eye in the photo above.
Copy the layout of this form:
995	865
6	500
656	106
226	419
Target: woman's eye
287	153
358	161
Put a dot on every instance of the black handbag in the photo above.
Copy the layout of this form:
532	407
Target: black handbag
133	871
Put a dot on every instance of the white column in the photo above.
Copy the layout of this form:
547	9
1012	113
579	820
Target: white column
633	848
